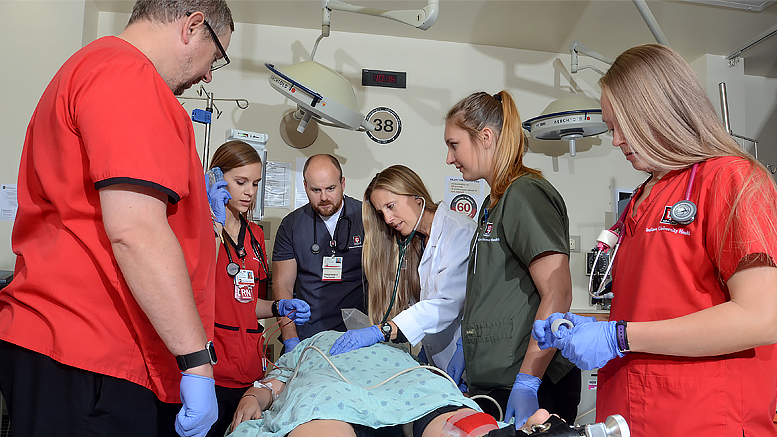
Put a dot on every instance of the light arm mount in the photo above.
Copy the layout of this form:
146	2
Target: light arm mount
419	18
577	47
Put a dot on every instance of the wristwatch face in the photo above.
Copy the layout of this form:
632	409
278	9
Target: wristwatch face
194	359
386	330
212	352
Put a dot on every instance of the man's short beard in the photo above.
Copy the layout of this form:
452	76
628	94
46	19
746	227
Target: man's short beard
336	208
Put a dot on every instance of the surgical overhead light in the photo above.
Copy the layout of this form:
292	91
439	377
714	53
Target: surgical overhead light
568	119
322	94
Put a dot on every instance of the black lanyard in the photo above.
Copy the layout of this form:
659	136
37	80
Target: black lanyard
333	243
232	267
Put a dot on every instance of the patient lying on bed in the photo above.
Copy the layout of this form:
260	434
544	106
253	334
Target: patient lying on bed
317	401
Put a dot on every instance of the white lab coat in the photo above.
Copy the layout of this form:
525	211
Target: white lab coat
436	319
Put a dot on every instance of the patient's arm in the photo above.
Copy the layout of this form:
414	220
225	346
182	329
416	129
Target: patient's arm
435	427
254	401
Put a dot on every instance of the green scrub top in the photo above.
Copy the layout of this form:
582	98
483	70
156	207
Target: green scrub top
502	300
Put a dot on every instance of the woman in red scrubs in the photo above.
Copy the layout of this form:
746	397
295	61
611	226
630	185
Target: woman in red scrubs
690	348
241	280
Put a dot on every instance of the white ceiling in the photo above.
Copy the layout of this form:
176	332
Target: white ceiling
606	26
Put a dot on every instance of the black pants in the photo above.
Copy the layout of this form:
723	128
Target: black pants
48	398
228	399
561	398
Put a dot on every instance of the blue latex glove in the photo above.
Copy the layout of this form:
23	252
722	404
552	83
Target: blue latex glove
300	307
541	330
523	400
356	338
290	344
200	409
588	346
456	366
218	196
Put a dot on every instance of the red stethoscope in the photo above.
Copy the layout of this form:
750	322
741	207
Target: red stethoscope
682	213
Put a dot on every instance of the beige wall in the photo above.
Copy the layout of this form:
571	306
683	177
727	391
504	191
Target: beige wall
438	73
38	37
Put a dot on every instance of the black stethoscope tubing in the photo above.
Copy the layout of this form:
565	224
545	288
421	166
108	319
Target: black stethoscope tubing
315	249
232	267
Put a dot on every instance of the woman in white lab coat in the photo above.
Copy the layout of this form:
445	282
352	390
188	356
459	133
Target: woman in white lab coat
423	248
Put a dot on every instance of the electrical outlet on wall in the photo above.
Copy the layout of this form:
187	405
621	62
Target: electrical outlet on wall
574	243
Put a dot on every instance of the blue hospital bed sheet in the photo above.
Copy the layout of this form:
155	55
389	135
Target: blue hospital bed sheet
318	392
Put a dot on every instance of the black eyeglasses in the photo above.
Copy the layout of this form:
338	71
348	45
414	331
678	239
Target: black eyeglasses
224	60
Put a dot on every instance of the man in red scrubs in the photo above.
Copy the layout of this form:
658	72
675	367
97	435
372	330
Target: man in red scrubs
113	289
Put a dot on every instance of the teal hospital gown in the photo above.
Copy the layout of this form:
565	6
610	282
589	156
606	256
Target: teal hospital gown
318	392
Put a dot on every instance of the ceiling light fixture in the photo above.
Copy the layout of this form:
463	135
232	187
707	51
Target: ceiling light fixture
576	117
322	94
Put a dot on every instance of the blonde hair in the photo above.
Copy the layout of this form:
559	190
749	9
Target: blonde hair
668	120
498	112
234	154
381	252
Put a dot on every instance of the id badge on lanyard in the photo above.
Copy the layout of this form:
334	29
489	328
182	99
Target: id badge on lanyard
332	268
244	286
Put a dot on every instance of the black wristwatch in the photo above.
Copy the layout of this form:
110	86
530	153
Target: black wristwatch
194	359
385	328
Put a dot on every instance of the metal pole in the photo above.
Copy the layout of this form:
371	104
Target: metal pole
724	106
206	151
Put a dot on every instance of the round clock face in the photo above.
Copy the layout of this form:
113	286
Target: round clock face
387	125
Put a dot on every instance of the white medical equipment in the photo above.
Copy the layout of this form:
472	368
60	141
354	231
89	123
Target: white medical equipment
578	117
323	94
259	142
568	119
682	213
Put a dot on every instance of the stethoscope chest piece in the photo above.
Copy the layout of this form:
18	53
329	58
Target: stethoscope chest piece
315	248
232	269
683	212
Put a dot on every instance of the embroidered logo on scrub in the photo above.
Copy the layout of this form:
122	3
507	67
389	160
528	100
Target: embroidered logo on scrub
666	218
357	240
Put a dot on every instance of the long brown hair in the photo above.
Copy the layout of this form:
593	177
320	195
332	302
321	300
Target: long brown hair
381	252
668	120
497	112
234	154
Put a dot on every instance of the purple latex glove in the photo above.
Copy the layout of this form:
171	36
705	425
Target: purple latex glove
541	330
357	338
300	307
218	196
590	345
290	344
200	409
523	400
455	367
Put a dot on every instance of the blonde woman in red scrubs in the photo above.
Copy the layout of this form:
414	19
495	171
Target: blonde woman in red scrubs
241	280
690	348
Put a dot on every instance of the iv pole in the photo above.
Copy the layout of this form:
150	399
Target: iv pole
204	116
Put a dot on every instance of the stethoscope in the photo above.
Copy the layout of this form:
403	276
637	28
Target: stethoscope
682	213
233	268
403	244
315	249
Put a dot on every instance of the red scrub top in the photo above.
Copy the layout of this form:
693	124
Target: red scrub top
106	118
664	270
238	338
